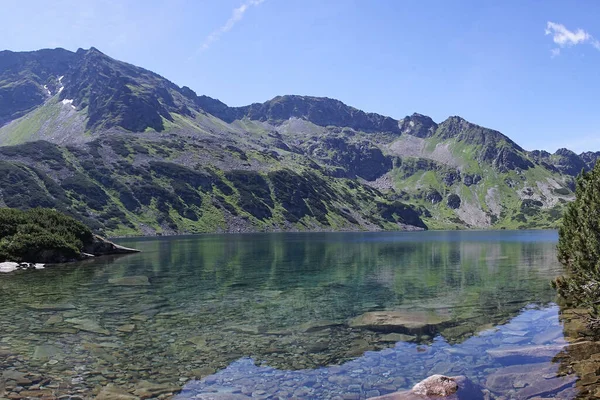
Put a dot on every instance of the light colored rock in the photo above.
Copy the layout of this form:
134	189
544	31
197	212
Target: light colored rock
146	389
87	325
8	266
436	385
530	380
111	392
54	319
47	352
404	321
397	337
529	352
138	280
127	328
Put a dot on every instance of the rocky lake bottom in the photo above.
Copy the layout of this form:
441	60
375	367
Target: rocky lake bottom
306	316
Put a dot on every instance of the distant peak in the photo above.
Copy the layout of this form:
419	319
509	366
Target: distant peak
91	50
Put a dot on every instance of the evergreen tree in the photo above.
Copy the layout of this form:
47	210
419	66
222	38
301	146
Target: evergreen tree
579	247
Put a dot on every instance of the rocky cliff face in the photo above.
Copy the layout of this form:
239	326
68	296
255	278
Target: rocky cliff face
138	154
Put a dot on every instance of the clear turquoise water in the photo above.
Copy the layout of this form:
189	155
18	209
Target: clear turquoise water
267	314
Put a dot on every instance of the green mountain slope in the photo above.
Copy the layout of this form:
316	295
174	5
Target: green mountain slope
135	154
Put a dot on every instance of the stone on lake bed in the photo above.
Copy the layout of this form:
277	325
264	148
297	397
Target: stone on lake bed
315	326
87	325
54	319
47	352
112	392
127	328
439	387
137	280
52	307
530	380
397	337
146	389
405	321
533	352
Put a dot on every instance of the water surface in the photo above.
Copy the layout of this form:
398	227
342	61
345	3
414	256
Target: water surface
267	314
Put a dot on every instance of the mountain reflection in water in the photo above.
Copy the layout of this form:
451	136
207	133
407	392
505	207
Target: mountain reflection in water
211	303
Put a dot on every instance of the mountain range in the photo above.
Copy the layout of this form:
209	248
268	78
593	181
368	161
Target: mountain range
131	153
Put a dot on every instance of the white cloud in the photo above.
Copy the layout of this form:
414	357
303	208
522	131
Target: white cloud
563	37
236	16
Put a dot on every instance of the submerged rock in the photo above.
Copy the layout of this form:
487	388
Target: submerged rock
52	307
527	352
436	387
87	325
409	322
138	280
529	380
112	392
47	352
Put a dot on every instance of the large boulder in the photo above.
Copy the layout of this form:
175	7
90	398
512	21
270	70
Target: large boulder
529	380
405	321
101	247
438	387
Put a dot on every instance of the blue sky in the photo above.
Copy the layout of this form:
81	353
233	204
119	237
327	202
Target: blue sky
526	68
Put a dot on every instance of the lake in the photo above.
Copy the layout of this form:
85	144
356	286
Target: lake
282	315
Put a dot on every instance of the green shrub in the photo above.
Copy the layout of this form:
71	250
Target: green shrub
38	234
579	247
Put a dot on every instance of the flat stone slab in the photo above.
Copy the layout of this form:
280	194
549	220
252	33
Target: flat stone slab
87	325
115	393
138	280
533	352
47	352
52	307
529	380
405	321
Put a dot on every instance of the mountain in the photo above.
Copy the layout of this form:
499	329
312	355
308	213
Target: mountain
130	152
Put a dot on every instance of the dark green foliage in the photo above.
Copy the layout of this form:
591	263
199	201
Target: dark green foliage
300	195
119	146
520	217
453	201
186	193
579	246
40	151
400	213
531	207
86	190
179	173
37	234
562	191
19	188
255	194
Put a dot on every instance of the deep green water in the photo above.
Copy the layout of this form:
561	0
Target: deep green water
219	306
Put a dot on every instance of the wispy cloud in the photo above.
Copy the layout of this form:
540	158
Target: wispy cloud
236	16
564	37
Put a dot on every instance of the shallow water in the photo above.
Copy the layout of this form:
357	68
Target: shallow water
267	314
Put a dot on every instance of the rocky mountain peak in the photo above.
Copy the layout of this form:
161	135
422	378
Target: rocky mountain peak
463	130
417	125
